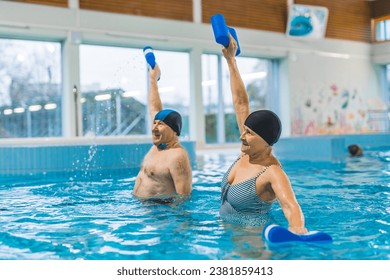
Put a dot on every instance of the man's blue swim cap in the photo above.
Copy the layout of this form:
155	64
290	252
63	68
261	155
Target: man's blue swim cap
171	118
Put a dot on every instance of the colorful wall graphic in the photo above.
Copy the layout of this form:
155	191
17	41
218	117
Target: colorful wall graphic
332	110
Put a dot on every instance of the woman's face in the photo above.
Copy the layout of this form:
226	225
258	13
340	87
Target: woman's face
251	142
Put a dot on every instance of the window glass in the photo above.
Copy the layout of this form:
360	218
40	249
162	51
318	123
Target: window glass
210	96
258	79
382	29
386	93
378	110
174	85
114	85
30	88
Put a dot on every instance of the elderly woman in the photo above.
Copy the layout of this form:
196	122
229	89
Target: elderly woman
256	179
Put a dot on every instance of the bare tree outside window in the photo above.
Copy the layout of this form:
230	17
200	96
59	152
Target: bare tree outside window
114	89
30	89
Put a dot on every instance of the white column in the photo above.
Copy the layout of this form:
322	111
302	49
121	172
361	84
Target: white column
71	81
283	107
221	106
73	4
197	11
196	117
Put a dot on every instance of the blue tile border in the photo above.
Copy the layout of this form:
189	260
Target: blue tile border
311	149
18	160
327	148
23	160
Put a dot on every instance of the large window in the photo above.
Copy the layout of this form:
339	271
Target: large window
381	29
114	83
379	107
30	89
221	125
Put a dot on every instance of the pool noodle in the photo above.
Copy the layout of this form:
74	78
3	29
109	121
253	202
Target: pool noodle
278	234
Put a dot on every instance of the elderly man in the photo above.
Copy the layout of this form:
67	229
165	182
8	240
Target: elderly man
165	175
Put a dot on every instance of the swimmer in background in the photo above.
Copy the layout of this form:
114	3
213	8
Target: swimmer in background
355	151
256	179
165	175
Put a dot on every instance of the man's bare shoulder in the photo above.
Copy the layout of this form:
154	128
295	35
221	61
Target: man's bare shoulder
182	151
178	157
180	154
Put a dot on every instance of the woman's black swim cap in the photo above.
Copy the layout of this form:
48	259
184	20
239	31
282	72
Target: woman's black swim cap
266	124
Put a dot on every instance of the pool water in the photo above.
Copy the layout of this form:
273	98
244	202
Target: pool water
87	218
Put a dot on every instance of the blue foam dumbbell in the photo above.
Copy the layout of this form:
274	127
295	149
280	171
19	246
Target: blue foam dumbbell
221	32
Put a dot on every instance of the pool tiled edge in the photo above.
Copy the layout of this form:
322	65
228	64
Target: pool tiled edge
327	148
311	149
19	160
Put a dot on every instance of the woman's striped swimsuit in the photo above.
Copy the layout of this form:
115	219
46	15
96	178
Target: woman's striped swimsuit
240	203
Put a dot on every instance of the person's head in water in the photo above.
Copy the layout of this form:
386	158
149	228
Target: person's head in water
167	124
355	151
263	123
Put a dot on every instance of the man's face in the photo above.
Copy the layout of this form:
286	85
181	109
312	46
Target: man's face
161	133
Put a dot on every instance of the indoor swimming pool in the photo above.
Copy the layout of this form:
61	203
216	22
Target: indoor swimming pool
76	217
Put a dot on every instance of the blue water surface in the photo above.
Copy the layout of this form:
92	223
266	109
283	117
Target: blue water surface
96	218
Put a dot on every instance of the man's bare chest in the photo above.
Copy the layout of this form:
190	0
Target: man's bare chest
156	165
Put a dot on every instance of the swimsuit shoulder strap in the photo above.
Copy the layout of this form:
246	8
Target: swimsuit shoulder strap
265	169
262	171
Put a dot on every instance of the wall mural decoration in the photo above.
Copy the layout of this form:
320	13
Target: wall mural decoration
332	110
306	21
